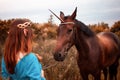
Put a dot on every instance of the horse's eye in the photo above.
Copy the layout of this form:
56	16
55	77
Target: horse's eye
69	31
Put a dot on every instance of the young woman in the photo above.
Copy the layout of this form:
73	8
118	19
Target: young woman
18	62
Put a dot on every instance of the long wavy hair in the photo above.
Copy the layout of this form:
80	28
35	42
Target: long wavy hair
17	42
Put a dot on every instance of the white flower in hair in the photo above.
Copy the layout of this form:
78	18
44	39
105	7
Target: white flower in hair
24	25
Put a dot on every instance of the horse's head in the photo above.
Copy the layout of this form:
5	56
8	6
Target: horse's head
64	36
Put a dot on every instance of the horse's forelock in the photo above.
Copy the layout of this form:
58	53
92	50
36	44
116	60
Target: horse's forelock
66	17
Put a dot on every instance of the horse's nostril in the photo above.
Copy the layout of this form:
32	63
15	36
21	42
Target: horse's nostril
59	55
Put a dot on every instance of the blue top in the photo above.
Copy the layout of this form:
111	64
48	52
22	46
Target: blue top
28	68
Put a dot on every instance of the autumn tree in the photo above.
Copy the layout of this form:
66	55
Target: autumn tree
116	28
4	27
100	27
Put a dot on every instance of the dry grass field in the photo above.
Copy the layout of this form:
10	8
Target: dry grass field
66	70
53	70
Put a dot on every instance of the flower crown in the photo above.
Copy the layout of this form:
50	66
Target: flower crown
24	25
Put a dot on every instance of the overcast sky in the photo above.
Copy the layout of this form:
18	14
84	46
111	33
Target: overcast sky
89	11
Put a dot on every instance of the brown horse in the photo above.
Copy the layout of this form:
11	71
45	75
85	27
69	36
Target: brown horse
95	52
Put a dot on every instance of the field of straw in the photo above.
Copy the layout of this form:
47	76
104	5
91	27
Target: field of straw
66	70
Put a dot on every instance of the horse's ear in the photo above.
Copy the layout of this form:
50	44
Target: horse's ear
73	16
61	15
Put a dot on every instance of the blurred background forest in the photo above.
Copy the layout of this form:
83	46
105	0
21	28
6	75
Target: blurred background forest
44	43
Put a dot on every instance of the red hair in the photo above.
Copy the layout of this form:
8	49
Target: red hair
17	42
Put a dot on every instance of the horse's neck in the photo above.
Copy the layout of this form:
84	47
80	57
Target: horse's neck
82	46
82	35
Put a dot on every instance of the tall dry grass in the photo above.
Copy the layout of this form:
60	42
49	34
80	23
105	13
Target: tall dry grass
66	70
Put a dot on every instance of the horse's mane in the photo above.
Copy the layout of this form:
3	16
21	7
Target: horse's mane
84	28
